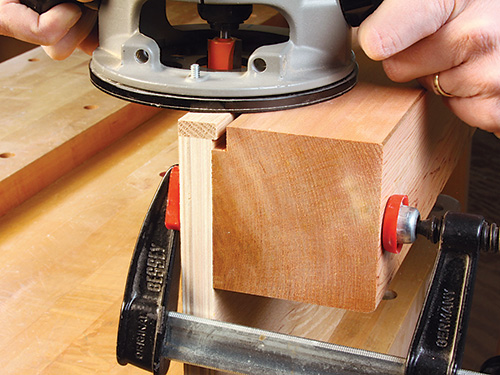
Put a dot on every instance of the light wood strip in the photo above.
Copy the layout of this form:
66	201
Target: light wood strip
198	134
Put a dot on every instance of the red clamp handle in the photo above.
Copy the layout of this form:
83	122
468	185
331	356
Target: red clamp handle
172	215
390	223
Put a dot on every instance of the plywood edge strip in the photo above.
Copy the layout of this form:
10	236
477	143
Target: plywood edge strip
198	135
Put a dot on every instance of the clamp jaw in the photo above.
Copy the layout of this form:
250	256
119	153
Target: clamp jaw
152	288
151	333
439	340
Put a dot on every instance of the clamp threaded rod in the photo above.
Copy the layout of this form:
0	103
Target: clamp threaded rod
431	229
489	238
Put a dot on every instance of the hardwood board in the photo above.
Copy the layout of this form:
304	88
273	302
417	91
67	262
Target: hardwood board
53	118
389	329
299	195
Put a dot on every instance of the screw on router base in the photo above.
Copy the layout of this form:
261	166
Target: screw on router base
195	71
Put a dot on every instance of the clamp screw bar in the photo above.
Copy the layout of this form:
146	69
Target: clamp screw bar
402	224
430	229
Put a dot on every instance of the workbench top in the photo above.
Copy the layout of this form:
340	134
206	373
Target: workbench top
66	250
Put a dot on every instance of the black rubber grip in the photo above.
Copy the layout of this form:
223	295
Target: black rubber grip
356	11
41	6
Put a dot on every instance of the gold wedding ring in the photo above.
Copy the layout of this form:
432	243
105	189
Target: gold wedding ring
438	90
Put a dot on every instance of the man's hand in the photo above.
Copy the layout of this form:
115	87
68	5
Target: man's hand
457	39
60	30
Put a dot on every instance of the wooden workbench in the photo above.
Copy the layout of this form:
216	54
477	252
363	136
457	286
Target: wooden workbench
65	251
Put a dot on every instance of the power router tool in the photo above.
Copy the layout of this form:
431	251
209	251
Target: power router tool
225	65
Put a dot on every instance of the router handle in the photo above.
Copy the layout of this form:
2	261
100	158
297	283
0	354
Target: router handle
41	6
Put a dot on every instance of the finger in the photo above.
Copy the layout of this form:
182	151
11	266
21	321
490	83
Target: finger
23	23
428	56
480	77
483	113
470	36
397	24
91	42
74	37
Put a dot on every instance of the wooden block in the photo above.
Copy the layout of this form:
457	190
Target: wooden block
388	330
299	195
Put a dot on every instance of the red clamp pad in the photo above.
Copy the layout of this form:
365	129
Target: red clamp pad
390	223
221	54
172	215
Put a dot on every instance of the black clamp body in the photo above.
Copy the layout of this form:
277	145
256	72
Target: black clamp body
439	339
151	290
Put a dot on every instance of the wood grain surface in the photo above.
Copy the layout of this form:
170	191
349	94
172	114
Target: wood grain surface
299	195
51	122
65	255
388	329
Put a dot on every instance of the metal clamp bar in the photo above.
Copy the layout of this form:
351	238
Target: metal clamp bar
229	347
239	349
439	339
